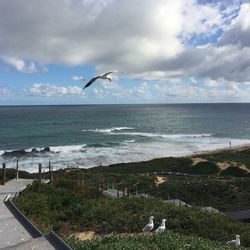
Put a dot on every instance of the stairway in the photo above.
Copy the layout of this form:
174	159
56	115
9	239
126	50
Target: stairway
13	234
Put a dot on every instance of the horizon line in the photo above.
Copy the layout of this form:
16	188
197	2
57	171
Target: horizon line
120	104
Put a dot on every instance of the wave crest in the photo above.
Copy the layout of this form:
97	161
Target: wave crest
22	152
164	136
107	130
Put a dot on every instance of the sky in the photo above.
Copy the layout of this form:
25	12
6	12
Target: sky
164	51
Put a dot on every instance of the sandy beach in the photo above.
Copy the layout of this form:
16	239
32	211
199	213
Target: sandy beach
232	148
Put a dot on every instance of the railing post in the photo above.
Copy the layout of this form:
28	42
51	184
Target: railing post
50	172
4	173
40	172
17	173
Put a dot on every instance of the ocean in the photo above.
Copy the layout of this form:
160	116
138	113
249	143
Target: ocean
85	136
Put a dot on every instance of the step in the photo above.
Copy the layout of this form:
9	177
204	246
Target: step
14	186
12	232
4	212
35	244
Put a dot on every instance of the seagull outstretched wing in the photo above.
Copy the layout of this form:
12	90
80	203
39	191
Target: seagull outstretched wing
90	82
106	74
103	77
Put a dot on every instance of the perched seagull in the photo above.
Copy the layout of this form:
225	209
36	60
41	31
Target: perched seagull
150	225
103	77
162	227
235	242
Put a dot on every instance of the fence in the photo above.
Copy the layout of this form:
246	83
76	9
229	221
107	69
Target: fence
40	167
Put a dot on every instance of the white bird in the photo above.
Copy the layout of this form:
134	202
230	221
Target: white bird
150	225
162	227
103	77
235	242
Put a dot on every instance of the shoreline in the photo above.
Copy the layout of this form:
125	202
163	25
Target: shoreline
206	152
191	155
226	149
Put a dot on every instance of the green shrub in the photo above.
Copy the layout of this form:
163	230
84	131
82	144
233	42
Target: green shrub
166	241
205	168
234	171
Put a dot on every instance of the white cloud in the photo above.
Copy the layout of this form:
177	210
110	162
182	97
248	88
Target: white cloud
149	39
142	91
5	91
126	32
238	32
20	65
48	89
77	78
99	93
212	83
119	92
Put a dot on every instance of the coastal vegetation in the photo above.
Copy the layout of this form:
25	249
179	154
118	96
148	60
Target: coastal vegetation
68	208
166	241
74	203
210	164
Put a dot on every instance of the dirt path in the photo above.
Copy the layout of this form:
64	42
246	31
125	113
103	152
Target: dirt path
160	180
88	235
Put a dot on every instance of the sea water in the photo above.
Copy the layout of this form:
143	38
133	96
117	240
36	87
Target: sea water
92	135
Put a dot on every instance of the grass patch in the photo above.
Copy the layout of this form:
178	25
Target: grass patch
167	241
234	171
206	168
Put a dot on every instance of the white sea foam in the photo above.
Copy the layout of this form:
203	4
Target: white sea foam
107	130
129	141
127	151
164	136
29	150
114	130
67	148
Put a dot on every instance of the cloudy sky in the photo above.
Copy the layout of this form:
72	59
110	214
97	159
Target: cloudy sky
165	51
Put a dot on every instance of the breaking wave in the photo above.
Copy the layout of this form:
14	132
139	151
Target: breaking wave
107	130
165	136
39	151
23	152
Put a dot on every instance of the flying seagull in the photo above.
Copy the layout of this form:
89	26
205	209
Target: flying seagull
150	225
235	242
162	227
103	77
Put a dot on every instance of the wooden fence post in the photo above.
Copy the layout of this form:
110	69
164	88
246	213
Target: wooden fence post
50	172
4	173
17	173
40	172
